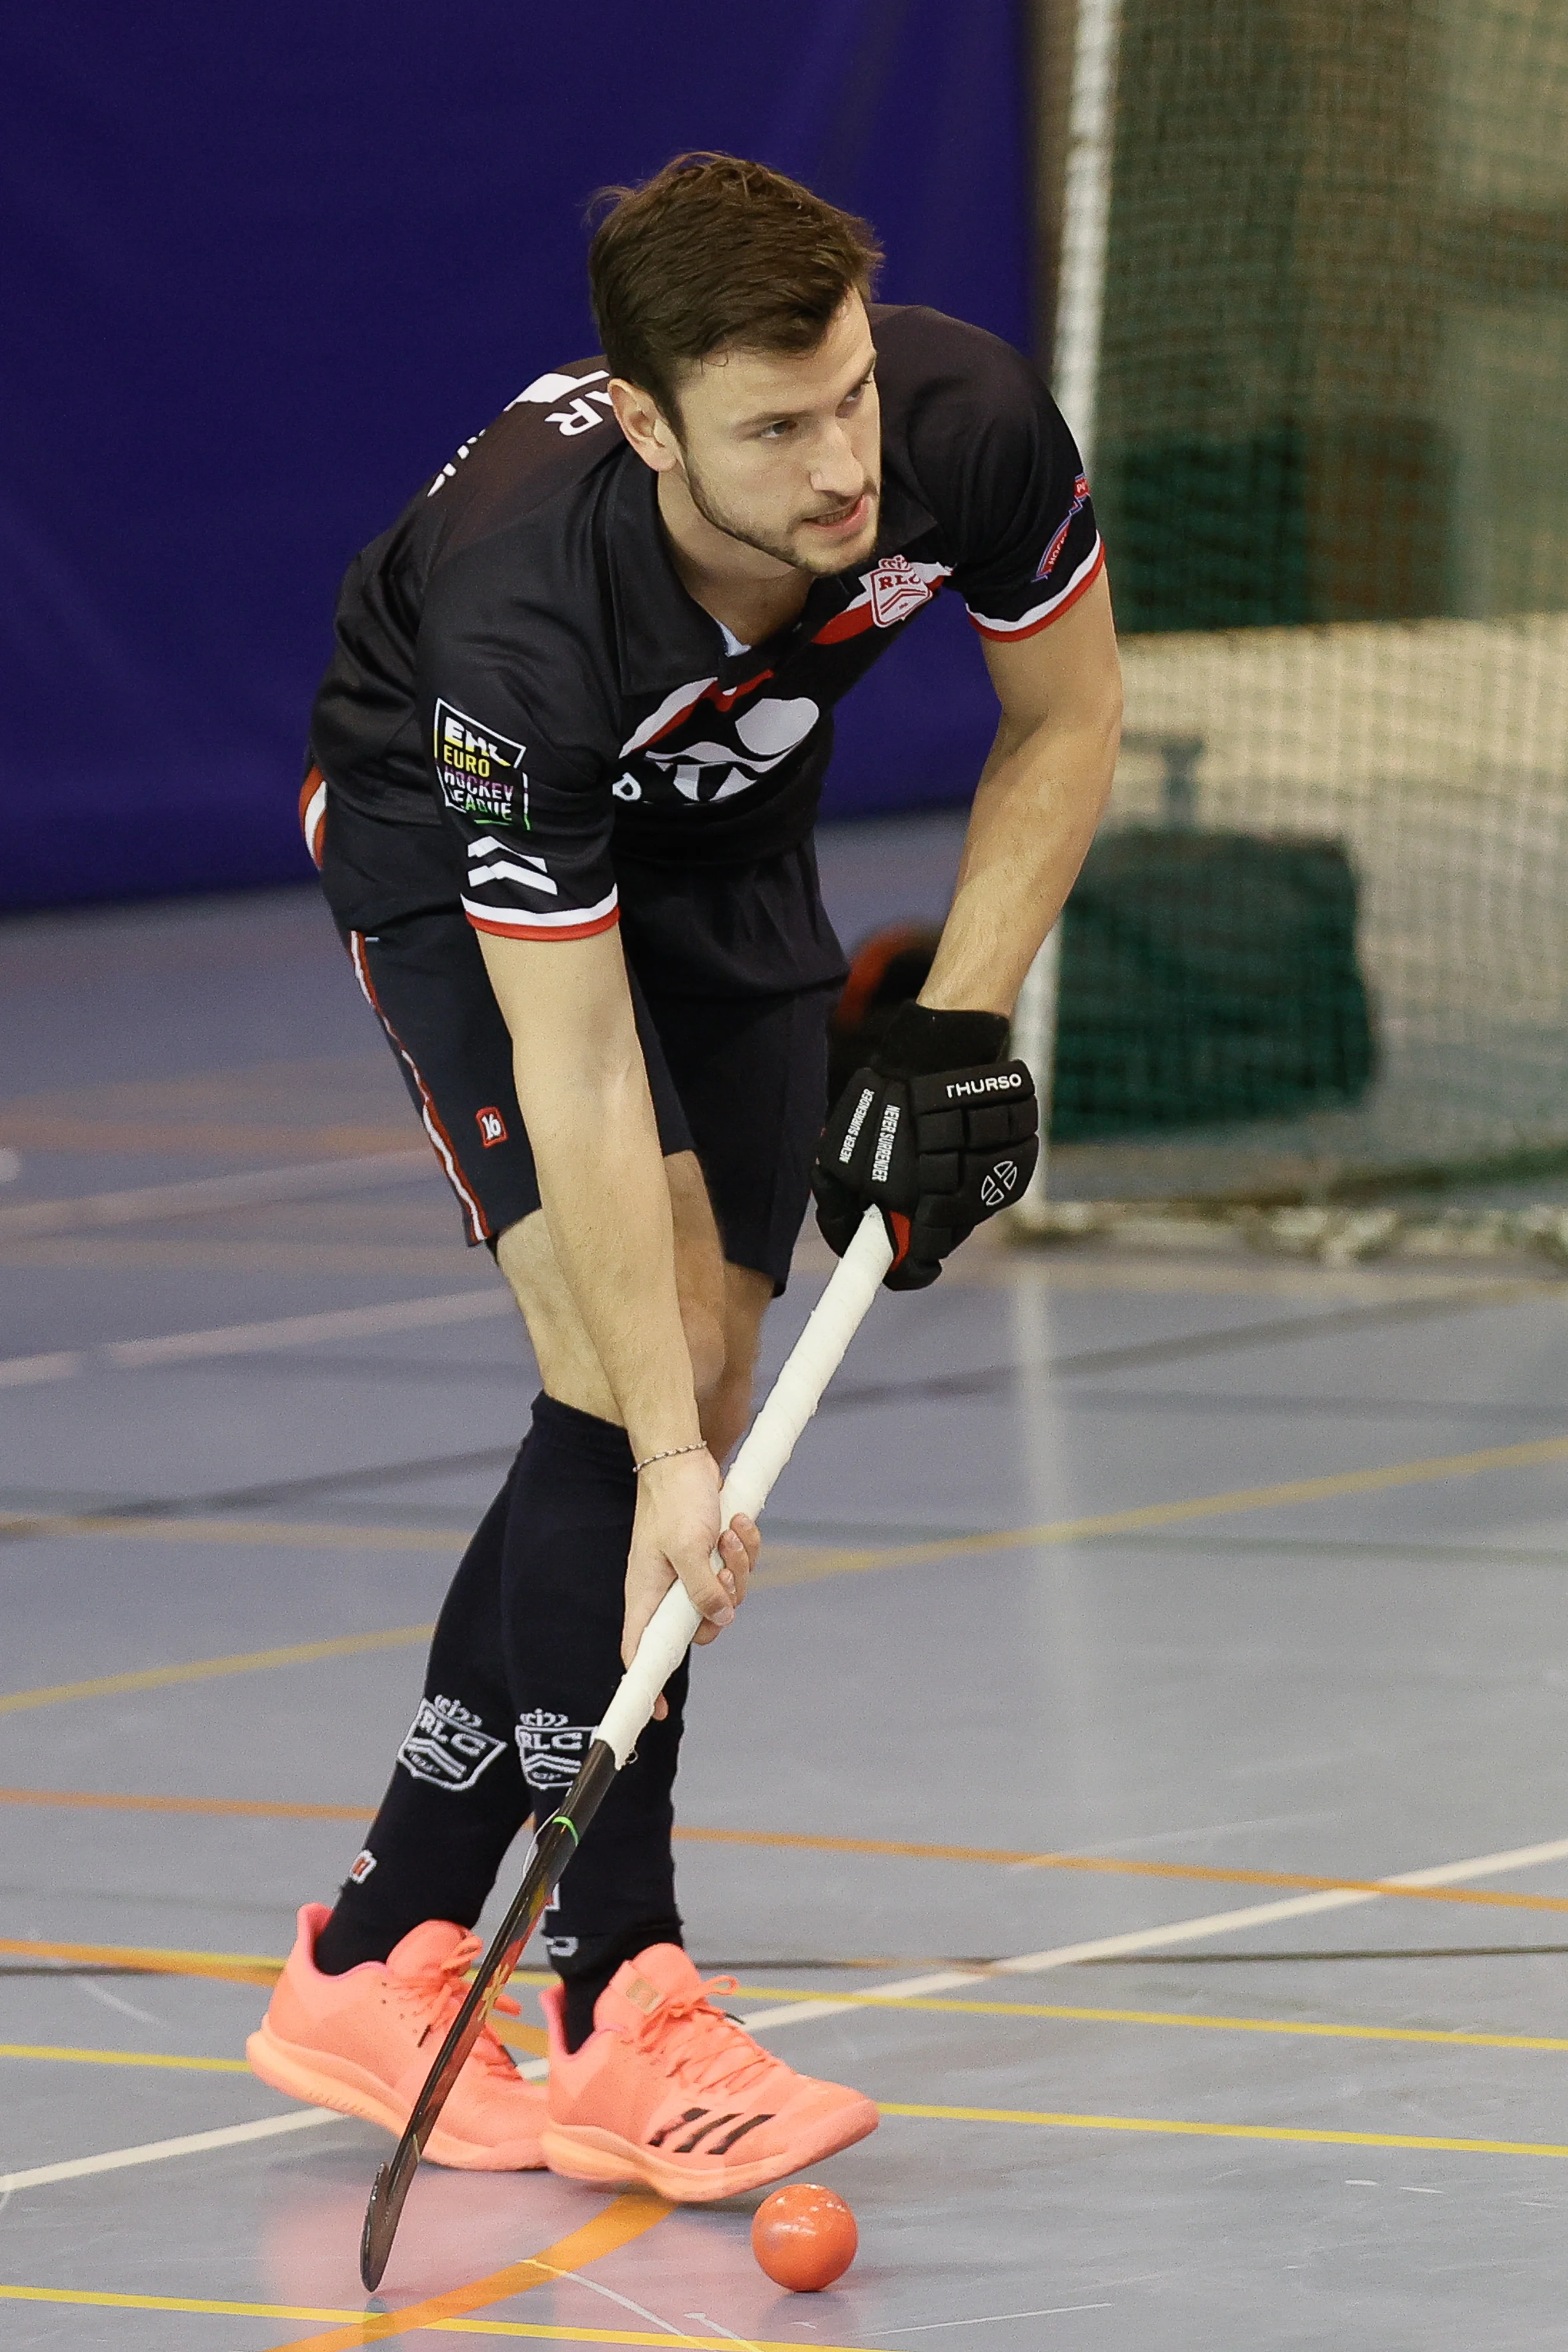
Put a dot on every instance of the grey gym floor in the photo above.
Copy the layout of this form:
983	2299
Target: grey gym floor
1075	1563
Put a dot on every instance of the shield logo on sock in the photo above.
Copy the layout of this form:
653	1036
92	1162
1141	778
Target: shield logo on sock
447	1744
552	1750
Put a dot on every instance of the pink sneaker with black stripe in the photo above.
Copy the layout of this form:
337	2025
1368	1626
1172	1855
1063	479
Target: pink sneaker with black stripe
362	2044
668	2091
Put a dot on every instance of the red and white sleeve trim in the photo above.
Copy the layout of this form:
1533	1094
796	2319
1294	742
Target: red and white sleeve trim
569	923
1040	616
313	813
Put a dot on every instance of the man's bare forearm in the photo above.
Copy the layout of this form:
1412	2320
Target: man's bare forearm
1037	802
1040	798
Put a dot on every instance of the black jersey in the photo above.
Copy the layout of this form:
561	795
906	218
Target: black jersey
526	690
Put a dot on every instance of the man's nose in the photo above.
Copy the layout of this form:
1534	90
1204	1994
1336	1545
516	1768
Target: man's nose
837	472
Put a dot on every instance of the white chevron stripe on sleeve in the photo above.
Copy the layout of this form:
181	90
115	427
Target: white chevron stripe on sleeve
506	869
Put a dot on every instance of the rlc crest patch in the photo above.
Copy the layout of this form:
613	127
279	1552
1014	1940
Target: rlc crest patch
447	1746
898	589
552	1750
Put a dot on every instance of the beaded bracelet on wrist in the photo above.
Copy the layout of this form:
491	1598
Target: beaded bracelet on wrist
668	1454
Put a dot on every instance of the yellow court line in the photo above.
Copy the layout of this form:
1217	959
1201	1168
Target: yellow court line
442	2313
615	2225
1532	1454
1005	1857
151	1959
1278	1278
1122	1866
1219	1262
316	1535
532	2039
1228	2131
246	1808
552	2333
807	1564
26	1132
77	1253
238	1968
1174	2017
122	2058
309	1535
300	1653
793	1561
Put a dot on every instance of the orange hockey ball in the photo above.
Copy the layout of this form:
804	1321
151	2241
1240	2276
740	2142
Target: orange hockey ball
804	2237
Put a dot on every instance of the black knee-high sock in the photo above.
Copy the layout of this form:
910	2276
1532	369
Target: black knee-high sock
456	1798
567	1537
526	1658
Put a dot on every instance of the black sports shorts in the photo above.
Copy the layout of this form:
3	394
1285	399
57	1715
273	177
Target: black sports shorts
741	1081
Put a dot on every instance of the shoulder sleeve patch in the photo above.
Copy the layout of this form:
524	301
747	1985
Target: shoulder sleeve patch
479	769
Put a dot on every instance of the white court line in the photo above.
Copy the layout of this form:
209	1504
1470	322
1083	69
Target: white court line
717	2325
575	2278
254	1187
1051	2311
157	2151
26	1372
154	2151
1141	1939
1179	1931
258	1339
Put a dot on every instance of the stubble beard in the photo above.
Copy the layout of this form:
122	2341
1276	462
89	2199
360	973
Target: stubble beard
785	551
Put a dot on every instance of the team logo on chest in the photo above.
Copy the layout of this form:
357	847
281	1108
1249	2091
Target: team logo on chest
898	589
895	587
702	768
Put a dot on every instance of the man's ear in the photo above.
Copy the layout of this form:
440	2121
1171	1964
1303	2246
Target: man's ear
638	414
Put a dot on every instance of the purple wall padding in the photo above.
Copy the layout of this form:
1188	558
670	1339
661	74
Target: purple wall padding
266	267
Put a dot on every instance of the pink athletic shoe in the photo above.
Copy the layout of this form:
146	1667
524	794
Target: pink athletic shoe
668	2091
363	2042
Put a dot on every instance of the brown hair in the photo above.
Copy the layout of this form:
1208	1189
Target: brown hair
715	252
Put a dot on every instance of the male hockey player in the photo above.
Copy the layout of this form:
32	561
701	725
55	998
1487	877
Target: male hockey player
565	767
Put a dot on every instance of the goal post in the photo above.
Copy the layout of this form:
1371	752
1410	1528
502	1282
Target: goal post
1085	166
1311	330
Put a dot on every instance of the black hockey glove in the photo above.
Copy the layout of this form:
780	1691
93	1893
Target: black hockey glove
936	1130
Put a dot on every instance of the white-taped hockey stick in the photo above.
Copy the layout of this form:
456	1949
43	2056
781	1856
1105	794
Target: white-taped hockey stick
793	1398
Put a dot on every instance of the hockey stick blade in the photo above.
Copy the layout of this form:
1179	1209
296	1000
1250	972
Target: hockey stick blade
553	1849
791	1402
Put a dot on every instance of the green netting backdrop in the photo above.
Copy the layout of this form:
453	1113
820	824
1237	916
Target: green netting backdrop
1324	937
